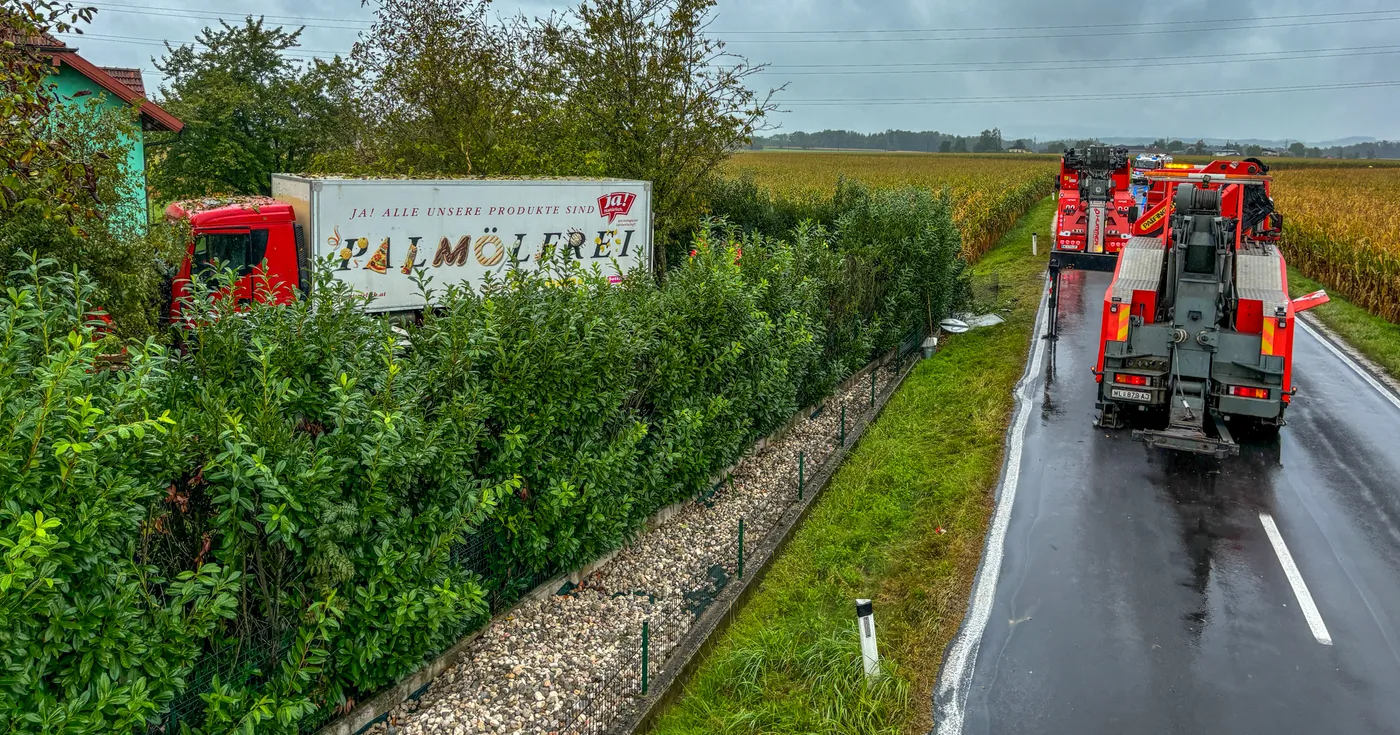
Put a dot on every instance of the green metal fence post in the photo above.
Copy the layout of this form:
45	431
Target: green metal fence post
801	457
741	548
646	639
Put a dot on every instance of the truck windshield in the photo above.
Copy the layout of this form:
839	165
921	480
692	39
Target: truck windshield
240	251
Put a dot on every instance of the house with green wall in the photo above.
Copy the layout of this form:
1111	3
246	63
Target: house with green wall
77	80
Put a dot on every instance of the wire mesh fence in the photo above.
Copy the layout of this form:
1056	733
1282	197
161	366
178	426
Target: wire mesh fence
597	705
247	660
594	707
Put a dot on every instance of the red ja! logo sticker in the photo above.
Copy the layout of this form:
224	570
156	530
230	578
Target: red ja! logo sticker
618	202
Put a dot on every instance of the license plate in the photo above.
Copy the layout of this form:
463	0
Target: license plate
1131	395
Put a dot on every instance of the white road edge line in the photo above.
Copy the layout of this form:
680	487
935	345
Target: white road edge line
1390	396
954	681
1300	588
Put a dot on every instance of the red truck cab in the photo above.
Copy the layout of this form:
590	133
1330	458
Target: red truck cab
257	237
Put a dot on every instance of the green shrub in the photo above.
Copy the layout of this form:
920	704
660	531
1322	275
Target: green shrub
882	262
286	502
109	240
315	454
94	636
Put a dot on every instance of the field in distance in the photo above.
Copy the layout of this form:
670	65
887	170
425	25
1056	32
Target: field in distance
989	191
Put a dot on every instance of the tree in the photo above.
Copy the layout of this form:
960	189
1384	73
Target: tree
1297	148
444	90
1253	150
960	145
1176	146
657	99
989	141
946	146
107	238
250	111
1021	143
61	196
42	172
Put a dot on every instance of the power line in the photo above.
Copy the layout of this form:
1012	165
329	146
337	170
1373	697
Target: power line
1255	19
1149	94
171	12
1112	60
295	51
1076	65
1359	16
1160	32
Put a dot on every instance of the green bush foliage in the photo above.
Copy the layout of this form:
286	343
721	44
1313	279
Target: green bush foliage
304	475
94	638
881	261
108	238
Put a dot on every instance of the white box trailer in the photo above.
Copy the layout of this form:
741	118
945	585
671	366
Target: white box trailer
377	232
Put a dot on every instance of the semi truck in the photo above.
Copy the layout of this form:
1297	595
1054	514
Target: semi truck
378	234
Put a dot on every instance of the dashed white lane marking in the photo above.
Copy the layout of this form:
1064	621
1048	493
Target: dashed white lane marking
1366	376
957	673
1300	588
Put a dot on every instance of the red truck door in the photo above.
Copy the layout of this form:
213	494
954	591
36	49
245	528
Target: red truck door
264	260
239	249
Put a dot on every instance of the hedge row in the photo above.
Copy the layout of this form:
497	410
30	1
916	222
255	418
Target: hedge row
308	474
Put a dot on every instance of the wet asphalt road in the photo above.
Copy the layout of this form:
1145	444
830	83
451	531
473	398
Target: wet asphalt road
1139	591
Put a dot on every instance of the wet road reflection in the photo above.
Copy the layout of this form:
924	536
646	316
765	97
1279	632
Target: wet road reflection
1139	591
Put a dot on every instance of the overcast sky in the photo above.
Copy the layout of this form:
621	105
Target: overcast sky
916	64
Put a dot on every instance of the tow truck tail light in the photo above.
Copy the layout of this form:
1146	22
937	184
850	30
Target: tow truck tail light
1243	392
1126	379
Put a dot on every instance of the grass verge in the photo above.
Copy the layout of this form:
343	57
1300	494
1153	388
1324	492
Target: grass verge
790	662
1371	335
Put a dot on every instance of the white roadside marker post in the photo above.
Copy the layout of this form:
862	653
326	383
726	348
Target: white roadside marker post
1035	243
869	652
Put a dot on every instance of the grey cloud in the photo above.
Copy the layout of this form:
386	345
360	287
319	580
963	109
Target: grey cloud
1143	107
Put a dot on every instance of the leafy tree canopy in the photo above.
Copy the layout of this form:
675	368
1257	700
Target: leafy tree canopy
250	111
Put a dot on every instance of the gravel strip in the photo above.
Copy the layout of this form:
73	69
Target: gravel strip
569	663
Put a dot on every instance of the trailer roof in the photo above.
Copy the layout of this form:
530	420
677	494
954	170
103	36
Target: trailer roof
447	177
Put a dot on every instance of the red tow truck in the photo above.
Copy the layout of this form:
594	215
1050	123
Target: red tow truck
1095	208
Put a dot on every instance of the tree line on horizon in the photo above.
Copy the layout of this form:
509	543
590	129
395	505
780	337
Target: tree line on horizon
991	141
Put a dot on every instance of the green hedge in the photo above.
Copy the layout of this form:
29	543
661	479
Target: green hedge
885	261
305	503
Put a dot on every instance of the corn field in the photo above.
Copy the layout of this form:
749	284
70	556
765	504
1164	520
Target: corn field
1341	228
989	192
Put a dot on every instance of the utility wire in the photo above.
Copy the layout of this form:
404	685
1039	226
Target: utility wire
1112	60
297	51
167	11
960	67
1078	65
1255	19
1164	31
1146	95
1361	15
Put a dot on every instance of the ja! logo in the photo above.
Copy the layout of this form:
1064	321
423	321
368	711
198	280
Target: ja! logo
616	203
